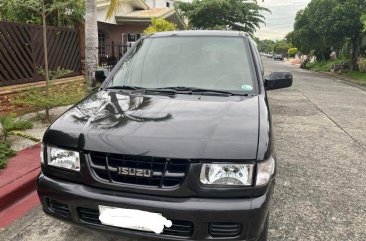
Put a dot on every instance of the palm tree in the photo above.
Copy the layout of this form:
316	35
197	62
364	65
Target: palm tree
91	37
113	6
91	41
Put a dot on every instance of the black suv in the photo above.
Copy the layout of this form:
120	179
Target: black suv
175	145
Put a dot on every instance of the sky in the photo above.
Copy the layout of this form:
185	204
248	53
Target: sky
282	18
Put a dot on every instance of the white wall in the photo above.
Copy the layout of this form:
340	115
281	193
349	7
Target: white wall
159	3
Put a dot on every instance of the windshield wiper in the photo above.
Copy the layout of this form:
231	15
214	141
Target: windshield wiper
191	90
142	89
177	89
123	87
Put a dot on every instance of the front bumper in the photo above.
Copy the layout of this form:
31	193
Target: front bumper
204	214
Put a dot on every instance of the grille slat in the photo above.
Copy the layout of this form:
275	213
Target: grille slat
175	174
166	172
94	166
220	230
179	228
58	208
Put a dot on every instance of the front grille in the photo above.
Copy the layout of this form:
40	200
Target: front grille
179	228
165	172
58	208
227	230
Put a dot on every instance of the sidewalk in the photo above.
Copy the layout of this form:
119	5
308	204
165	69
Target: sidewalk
17	185
359	84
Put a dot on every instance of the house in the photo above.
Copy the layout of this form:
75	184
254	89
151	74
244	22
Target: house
116	34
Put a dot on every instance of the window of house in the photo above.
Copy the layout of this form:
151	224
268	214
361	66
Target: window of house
133	37
101	43
168	4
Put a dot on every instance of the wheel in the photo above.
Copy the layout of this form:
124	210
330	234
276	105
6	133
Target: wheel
264	235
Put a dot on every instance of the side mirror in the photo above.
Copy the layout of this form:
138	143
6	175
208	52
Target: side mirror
278	80
101	75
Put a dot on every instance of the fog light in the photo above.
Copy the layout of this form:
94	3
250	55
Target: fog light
227	174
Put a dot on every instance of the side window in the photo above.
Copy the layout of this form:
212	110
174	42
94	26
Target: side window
258	57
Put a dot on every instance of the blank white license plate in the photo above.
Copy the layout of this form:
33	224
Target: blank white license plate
133	219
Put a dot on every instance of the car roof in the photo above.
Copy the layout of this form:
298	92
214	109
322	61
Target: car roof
201	33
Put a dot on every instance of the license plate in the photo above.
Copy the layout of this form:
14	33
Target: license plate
133	219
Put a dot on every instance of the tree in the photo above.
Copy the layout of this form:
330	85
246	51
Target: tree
160	25
281	47
363	20
325	25
289	37
240	15
314	29
113	7
70	14
91	37
265	45
91	42
349	13
44	8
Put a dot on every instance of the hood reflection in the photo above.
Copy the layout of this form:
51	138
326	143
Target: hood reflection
107	110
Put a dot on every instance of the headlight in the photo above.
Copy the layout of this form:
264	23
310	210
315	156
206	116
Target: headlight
63	158
227	174
265	170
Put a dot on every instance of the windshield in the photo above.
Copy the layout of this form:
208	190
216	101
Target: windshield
216	63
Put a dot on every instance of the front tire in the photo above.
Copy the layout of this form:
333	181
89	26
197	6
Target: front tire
264	235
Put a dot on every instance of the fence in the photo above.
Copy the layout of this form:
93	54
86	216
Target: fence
21	51
111	52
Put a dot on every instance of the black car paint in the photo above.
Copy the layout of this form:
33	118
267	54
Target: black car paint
210	127
199	128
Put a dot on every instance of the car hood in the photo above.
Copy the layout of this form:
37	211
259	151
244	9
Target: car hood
180	126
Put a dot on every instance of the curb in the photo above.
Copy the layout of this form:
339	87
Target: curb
348	81
17	184
16	190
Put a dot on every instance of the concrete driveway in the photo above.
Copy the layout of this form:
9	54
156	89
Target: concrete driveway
320	131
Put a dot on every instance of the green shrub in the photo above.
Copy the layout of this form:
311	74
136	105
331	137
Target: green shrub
38	98
50	96
160	25
324	66
292	51
10	125
5	152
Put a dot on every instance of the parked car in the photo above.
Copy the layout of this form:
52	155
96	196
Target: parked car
177	144
278	57
270	55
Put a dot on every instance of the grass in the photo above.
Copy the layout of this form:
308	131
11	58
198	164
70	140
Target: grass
10	126
5	152
355	75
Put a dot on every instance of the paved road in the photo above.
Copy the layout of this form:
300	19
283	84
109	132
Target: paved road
320	130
